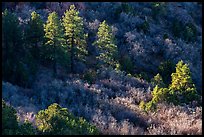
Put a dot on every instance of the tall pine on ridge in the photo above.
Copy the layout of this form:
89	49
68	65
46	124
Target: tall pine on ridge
13	49
106	45
75	37
35	33
54	35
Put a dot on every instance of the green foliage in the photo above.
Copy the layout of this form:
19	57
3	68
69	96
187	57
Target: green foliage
144	27
10	27
90	76
124	7
165	36
26	129
36	27
142	105
127	8
75	36
165	69
9	120
118	67
190	32
149	106
187	32
57	121
126	64
105	43
64	58
158	95
54	37
16	68
10	125
142	75
181	79
176	28
53	30
158	9
182	88
157	80
35	34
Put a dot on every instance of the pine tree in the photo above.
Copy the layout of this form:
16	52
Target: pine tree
10	124
56	120
12	47
106	45
54	34
35	33
157	80
182	88
9	120
165	69
75	37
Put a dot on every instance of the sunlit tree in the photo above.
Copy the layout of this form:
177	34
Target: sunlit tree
75	37
106	45
54	37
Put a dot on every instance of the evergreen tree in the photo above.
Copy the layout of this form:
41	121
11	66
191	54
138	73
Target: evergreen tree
157	80
165	69
35	33
13	49
106	45
56	120
9	120
182	88
54	35
75	37
10	124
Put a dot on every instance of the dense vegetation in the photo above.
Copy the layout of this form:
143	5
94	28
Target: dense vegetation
52	121
110	64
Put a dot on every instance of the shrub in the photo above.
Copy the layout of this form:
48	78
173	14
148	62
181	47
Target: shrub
90	76
157	80
177	28
57	121
127	64
158	95
165	69
124	7
9	120
165	36
26	129
127	8
144	27
142	75
189	32
10	125
158	9
142	105
150	106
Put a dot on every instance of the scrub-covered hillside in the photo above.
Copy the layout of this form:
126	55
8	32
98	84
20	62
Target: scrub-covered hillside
110	68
